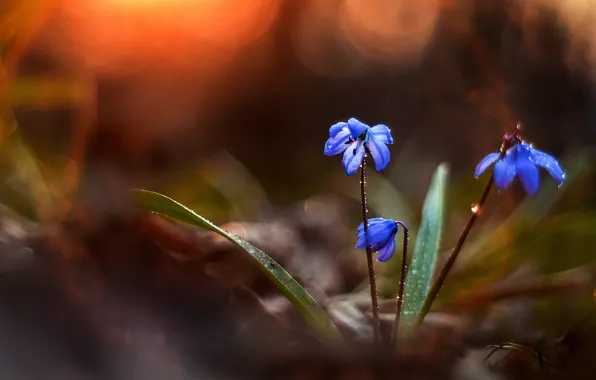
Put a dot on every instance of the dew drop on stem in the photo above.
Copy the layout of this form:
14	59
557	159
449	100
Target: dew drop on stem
475	208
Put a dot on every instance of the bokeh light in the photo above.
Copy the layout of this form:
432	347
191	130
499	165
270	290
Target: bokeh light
339	38
389	31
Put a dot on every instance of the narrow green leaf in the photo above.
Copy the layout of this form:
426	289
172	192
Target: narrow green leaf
424	258
304	303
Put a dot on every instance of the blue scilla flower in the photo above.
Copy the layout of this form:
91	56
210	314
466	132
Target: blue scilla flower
521	160
381	237
354	138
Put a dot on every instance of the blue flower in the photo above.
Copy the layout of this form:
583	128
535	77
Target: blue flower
521	160
354	138
381	237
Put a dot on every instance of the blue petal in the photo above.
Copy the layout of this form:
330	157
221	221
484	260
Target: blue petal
356	127
337	143
379	232
379	152
526	170
549	163
504	171
353	157
335	128
382	133
386	252
485	163
373	222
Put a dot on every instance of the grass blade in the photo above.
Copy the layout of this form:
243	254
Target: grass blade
300	298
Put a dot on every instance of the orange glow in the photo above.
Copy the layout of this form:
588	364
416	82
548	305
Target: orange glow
126	34
148	3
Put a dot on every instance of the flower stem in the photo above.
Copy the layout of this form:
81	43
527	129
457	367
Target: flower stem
436	287
369	257
438	284
402	283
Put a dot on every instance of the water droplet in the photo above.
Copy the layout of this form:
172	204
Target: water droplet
414	271
406	312
475	208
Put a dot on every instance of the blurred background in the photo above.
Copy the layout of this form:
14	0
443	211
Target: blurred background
225	106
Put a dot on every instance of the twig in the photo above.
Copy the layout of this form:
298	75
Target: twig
521	348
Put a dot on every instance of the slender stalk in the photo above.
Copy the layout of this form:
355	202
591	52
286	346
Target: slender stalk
402	283
369	258
508	140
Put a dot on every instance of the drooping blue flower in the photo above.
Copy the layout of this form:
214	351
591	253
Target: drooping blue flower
381	237
354	138
521	160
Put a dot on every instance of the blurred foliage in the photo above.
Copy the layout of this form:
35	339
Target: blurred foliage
218	186
48	92
33	188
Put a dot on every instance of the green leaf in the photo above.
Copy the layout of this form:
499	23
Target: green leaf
425	254
304	303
